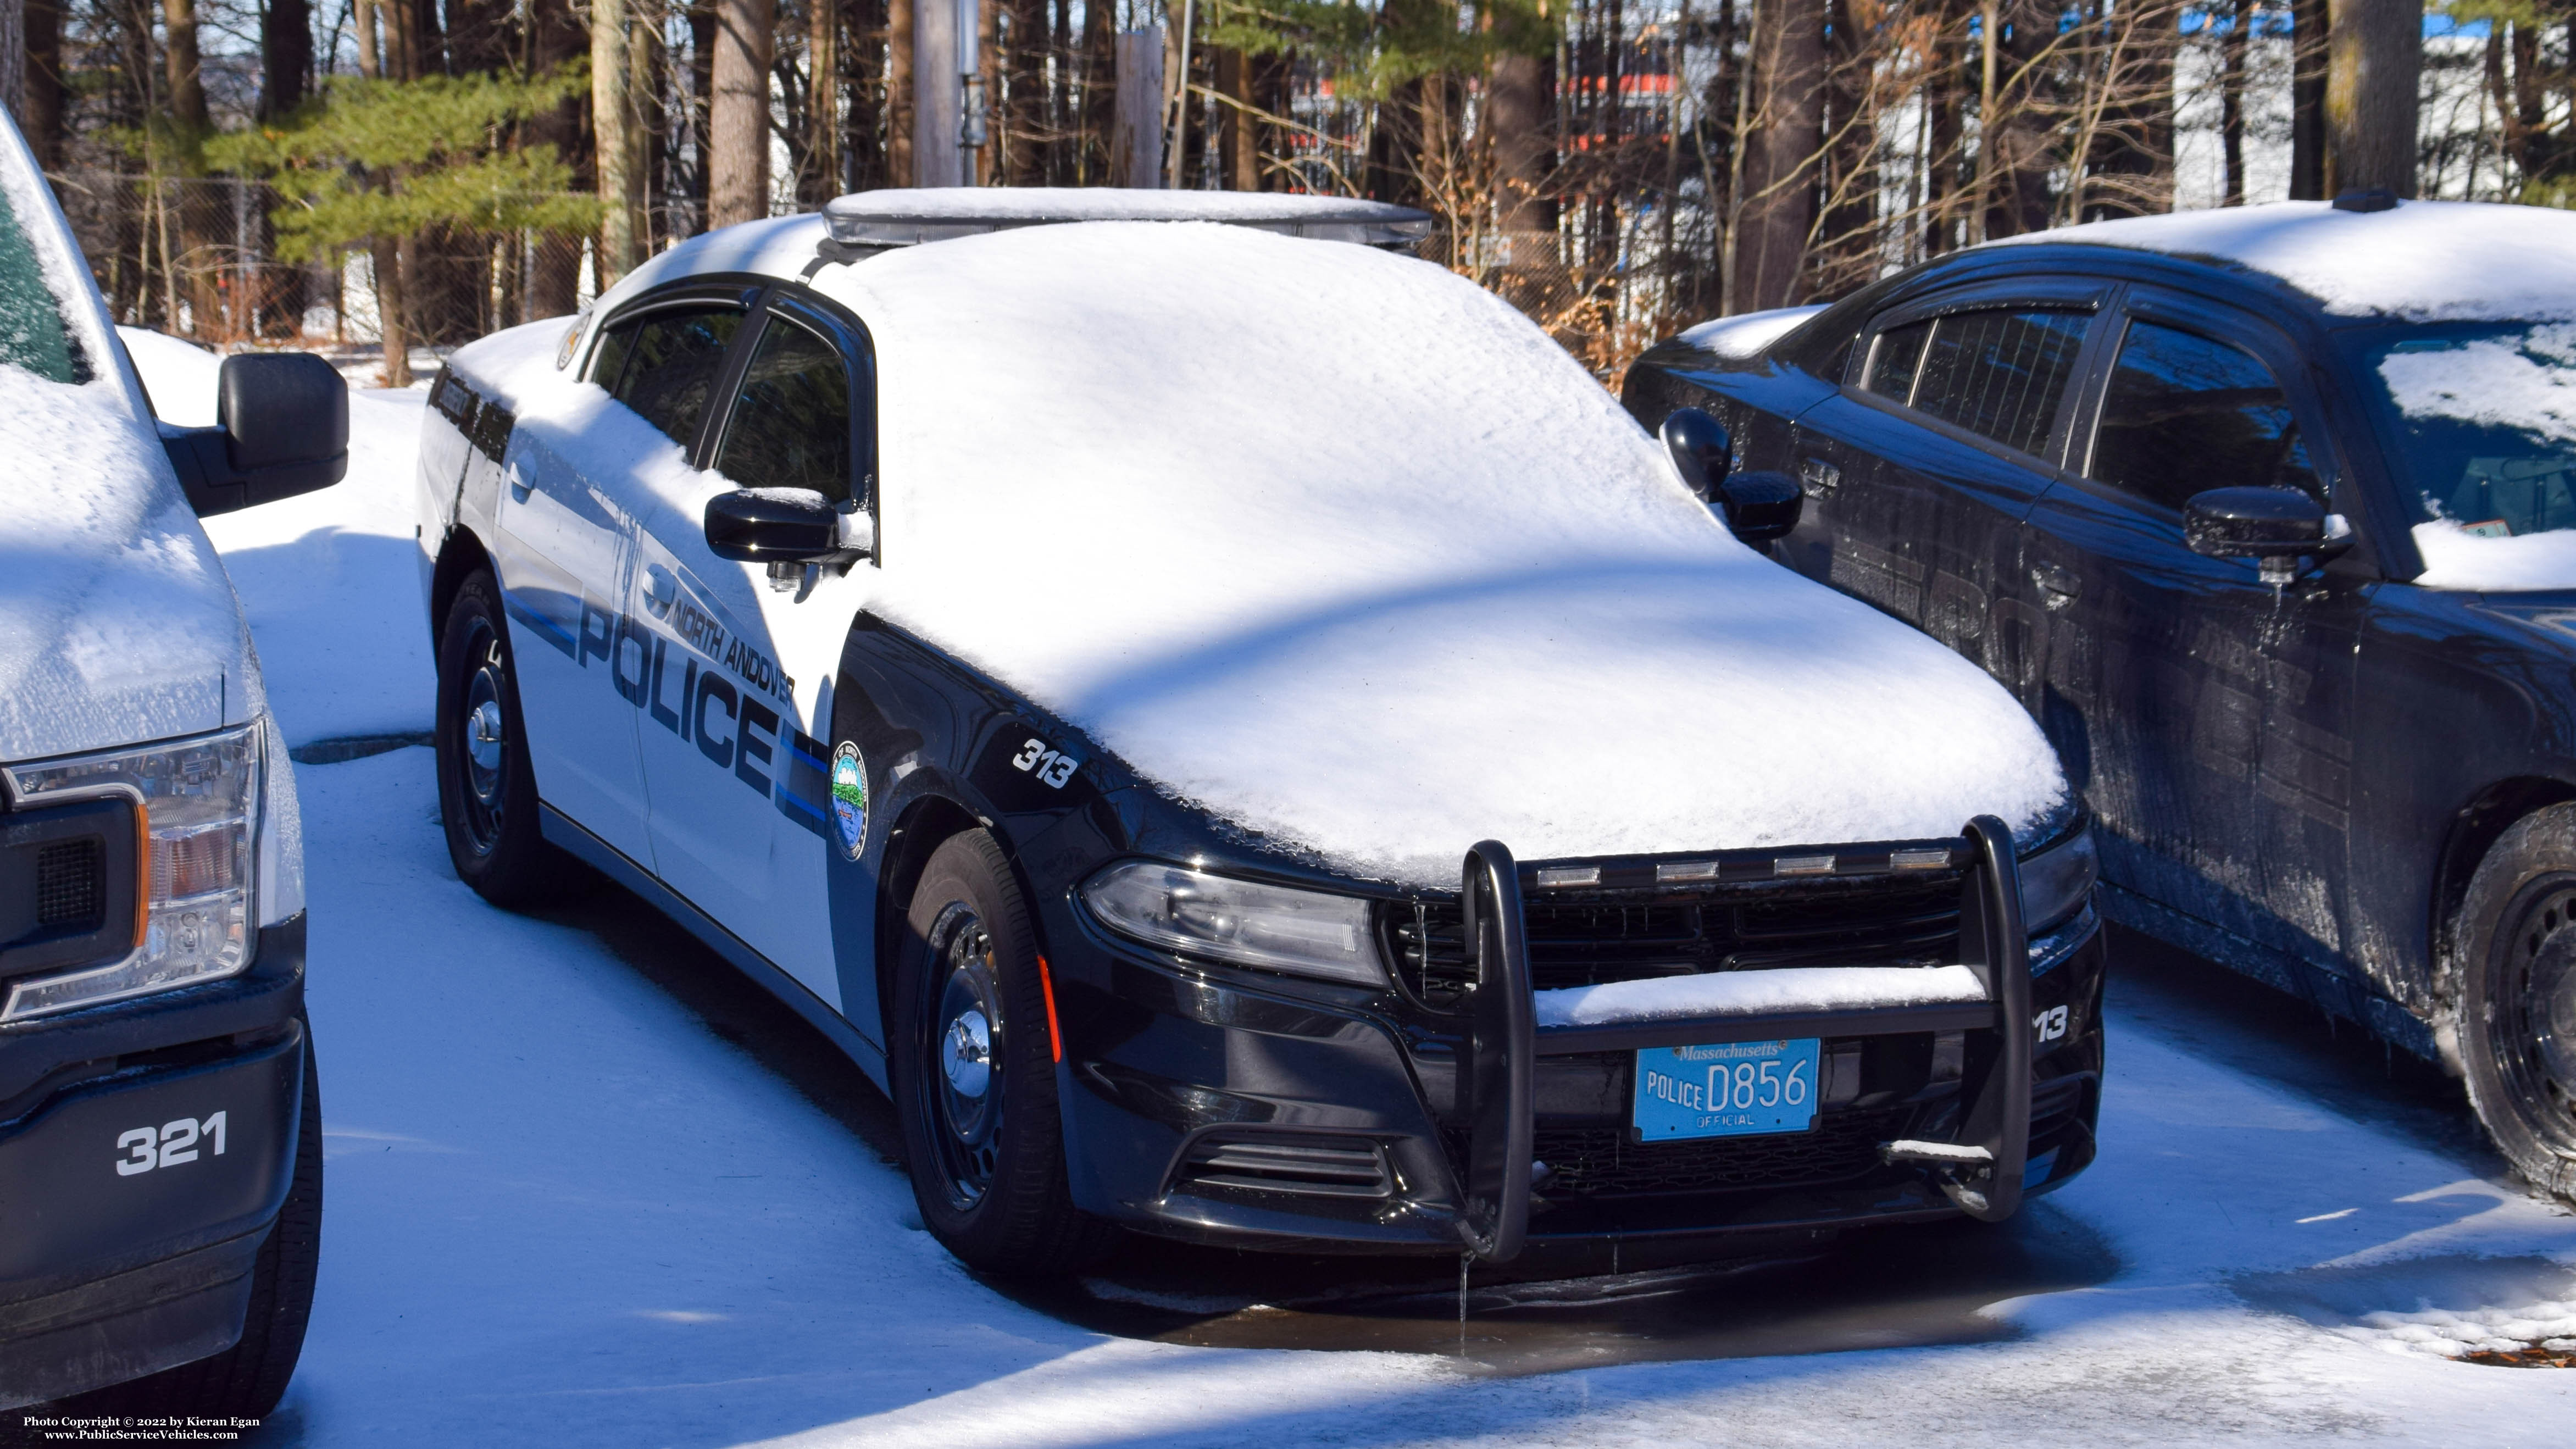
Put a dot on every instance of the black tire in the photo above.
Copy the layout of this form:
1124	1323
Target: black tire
246	1380
981	1129
2516	953
487	793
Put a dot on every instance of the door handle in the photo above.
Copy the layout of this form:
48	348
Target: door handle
661	590
519	487
1819	478
2059	583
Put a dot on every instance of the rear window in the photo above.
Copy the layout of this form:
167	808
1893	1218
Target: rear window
2000	374
32	332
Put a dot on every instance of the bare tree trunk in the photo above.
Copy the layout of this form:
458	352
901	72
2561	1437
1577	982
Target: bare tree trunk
187	93
1786	135
13	60
2308	100
1136	139
1099	105
363	15
554	282
285	54
899	168
2015	140
43	110
613	138
1021	137
2231	99
2374	60
1516	130
738	113
821	179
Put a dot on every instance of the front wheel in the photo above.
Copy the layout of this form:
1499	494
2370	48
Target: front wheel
487	794
974	1073
2516	953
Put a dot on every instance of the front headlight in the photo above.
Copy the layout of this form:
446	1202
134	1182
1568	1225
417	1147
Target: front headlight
1250	924
2056	882
199	801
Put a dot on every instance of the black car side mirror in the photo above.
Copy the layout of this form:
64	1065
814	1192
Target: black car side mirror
281	428
2274	526
1760	507
784	528
1701	451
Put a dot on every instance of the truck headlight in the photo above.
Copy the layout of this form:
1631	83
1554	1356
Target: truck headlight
1310	933
2057	881
198	806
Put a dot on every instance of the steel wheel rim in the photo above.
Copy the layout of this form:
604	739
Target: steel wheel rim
2531	1016
483	747
962	1035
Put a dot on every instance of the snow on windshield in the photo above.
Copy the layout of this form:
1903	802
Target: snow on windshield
1347	550
2488	421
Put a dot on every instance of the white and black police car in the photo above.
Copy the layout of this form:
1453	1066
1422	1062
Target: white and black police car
160	1133
1239	734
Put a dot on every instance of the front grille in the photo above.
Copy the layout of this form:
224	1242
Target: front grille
1601	1161
71	886
1276	1162
1908	921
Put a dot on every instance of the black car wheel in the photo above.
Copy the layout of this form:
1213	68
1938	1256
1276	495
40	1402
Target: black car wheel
487	795
2517	1028
974	1073
246	1380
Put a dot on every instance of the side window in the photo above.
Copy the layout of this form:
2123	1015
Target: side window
1895	360
664	364
2184	413
2000	374
791	422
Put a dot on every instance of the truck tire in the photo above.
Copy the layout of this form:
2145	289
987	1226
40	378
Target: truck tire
2516	955
487	792
974	1074
246	1380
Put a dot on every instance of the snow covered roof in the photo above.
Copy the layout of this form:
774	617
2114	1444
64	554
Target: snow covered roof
1344	548
2425	261
904	217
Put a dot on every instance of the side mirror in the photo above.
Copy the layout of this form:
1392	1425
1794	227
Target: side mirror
785	528
1760	507
2275	526
282	428
1701	452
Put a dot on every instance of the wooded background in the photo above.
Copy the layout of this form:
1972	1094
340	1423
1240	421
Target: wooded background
409	172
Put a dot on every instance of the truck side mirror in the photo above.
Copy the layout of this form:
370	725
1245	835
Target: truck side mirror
2274	526
282	428
1701	451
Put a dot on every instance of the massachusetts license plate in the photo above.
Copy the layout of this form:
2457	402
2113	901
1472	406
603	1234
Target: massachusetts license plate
1735	1089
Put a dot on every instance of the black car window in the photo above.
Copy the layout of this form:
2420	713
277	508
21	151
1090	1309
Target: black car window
1896	359
2185	413
2475	410
664	364
791	422
2000	374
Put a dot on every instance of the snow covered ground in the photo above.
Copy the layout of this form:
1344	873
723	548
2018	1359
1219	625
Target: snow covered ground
565	1209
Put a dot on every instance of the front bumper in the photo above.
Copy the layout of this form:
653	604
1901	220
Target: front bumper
145	1149
1217	1107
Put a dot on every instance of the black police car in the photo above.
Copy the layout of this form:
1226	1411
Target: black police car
2264	514
1099	712
160	1129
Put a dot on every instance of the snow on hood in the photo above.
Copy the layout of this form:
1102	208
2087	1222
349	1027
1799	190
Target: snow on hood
117	624
2424	260
1345	550
1748	334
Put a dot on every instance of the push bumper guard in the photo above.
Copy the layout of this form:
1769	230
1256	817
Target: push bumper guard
1980	1169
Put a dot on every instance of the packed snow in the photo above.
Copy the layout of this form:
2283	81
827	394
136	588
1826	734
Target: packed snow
1756	993
1345	549
2422	260
1748	334
317	574
2455	558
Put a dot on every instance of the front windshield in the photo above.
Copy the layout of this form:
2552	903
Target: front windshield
2486	416
32	334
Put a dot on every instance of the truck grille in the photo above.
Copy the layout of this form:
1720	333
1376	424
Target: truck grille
1587	941
71	886
1599	1161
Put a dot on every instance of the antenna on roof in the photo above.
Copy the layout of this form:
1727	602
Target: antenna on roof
2366	198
